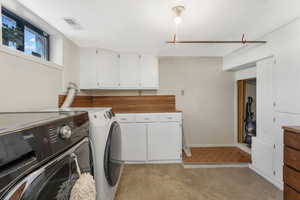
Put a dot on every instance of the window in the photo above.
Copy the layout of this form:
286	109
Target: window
19	34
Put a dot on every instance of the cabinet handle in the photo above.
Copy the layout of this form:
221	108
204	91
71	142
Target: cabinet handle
146	118
169	117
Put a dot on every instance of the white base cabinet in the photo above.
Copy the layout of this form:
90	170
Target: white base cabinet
164	141
151	138
262	157
131	149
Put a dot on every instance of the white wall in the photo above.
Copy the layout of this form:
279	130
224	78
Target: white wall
207	103
29	83
283	44
71	63
26	85
245	73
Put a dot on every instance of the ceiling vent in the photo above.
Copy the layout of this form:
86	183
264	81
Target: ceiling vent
73	23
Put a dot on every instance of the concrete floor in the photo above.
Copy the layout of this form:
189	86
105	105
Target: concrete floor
164	182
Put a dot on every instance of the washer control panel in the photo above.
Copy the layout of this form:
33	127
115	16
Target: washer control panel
65	132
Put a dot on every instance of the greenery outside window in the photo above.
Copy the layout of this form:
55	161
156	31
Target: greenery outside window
19	34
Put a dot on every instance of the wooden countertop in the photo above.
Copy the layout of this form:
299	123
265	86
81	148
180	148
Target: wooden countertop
294	129
128	104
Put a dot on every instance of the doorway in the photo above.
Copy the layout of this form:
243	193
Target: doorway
246	111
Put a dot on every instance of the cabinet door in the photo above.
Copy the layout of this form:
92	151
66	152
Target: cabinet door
262	157
129	71
149	72
286	79
164	141
107	69
134	142
265	109
88	63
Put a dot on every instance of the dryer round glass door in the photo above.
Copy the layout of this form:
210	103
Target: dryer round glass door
112	155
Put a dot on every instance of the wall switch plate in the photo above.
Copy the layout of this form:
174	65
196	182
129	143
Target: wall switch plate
182	92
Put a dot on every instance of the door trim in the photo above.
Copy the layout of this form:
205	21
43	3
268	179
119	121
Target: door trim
241	89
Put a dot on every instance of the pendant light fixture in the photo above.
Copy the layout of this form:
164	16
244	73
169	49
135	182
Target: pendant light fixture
178	10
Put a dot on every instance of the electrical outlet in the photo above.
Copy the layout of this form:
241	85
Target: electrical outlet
182	92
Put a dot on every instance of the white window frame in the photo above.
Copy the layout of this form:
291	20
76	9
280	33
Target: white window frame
56	38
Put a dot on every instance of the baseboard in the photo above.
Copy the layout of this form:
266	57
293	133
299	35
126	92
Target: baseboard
211	145
244	148
242	165
165	162
154	162
278	184
135	162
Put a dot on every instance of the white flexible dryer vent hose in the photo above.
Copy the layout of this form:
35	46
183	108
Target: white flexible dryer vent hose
72	91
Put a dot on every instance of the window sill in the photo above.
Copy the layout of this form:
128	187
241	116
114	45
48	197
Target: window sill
28	57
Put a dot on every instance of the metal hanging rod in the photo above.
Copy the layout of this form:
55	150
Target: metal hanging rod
216	42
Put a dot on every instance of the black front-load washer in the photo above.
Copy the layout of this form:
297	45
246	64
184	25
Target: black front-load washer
37	161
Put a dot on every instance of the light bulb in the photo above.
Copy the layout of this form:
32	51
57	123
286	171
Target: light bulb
177	20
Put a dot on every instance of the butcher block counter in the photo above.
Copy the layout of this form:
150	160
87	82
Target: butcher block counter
127	104
291	169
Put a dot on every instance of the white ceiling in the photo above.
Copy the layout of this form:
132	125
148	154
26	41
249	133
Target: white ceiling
144	25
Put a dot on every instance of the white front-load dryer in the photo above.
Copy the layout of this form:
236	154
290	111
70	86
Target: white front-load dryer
106	144
105	137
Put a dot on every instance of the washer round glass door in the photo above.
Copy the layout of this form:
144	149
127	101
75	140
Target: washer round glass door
55	180
112	155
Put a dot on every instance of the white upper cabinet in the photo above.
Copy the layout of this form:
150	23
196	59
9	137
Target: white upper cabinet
103	69
88	63
129	71
107	69
149	72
